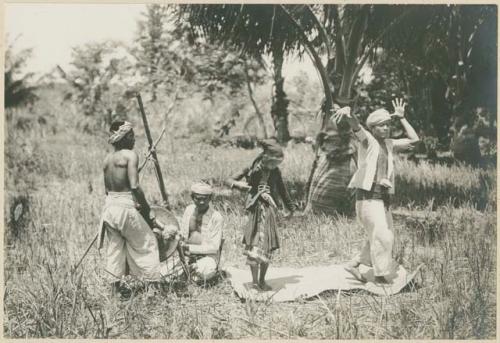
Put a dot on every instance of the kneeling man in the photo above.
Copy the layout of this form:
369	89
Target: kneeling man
201	228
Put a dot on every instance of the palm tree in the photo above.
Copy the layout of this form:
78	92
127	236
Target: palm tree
280	29
255	30
350	36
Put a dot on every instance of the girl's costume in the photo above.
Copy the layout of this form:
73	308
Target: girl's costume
260	234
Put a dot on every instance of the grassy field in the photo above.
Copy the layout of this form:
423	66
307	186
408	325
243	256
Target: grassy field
55	170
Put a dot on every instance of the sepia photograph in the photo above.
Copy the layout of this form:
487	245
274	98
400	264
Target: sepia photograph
250	171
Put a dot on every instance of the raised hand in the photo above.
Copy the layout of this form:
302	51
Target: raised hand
341	113
345	112
399	108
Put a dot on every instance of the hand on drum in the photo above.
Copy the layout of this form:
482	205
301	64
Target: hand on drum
166	231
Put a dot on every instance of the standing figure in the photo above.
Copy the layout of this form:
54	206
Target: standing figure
374	184
132	247
201	228
264	184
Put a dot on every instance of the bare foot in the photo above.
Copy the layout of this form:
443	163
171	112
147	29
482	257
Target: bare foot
264	286
355	272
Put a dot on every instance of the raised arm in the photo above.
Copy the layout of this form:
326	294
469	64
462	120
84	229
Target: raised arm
412	137
352	120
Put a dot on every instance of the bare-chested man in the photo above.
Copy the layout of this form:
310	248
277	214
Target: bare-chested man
132	247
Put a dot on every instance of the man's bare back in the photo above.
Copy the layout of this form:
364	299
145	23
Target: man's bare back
120	171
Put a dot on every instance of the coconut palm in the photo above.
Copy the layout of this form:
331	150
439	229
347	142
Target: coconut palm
349	36
281	29
255	30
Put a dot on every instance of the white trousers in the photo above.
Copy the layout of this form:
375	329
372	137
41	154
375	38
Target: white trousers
377	249
130	241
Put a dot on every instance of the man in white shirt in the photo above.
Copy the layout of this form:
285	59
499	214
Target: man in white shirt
201	228
374	184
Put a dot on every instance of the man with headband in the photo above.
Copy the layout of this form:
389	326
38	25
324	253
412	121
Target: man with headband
374	184
132	247
201	228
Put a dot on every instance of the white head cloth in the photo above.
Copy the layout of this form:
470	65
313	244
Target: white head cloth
377	117
201	188
117	135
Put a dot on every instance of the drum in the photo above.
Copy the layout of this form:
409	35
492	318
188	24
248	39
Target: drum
166	246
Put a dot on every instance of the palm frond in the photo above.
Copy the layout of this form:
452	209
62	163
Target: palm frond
256	29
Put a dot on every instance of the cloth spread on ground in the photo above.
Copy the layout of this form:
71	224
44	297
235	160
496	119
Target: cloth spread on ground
289	284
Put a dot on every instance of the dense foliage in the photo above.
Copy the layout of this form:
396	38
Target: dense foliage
18	88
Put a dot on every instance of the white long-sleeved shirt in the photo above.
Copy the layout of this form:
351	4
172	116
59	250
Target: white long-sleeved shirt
211	231
368	151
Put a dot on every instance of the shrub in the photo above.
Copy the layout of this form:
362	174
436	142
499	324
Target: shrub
18	90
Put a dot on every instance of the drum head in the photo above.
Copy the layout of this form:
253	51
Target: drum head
166	246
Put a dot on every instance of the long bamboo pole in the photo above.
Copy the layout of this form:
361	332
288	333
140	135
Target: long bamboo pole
160	178
159	175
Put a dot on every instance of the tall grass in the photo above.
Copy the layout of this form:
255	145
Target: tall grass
60	173
456	184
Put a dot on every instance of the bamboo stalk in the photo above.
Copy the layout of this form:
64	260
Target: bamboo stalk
159	175
150	151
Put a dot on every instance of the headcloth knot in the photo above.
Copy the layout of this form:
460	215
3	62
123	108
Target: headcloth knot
117	135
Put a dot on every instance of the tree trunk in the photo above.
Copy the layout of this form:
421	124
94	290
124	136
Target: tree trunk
258	113
316	60
279	108
333	166
353	51
326	187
